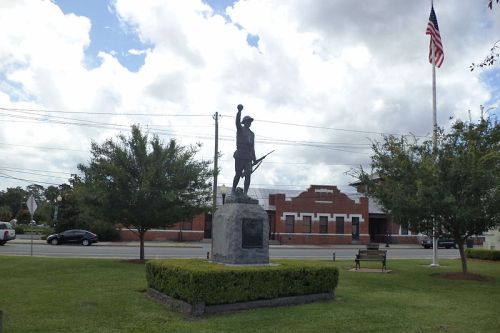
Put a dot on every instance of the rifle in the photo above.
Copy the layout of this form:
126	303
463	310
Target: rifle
257	163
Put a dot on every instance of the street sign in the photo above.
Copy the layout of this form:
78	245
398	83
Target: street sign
31	203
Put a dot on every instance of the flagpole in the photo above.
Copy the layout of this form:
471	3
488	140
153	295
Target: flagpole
434	147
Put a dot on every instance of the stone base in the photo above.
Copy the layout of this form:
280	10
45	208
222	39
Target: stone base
240	234
201	308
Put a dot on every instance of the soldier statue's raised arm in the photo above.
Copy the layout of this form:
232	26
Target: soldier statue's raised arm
244	156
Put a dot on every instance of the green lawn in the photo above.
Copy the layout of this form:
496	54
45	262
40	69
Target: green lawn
85	295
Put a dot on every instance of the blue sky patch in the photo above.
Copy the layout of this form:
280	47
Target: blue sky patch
491	77
106	34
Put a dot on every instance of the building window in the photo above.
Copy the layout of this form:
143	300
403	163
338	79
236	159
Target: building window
289	224
323	225
307	223
339	225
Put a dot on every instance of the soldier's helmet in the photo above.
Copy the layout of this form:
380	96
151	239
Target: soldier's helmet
247	119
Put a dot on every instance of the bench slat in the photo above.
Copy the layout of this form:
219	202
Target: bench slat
371	255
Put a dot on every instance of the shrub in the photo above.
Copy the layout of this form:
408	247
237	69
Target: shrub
105	231
483	254
196	280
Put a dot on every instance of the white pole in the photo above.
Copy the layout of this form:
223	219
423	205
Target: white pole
434	146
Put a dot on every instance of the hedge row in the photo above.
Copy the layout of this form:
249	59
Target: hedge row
197	280
483	254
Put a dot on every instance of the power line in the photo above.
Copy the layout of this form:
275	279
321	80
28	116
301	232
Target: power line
34	173
38	111
103	113
41	147
3	175
8	168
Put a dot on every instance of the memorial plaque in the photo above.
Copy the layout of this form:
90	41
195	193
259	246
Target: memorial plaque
252	233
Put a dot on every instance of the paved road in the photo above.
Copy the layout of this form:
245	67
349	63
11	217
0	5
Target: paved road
199	250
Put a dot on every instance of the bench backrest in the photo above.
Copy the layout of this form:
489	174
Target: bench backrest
372	246
372	252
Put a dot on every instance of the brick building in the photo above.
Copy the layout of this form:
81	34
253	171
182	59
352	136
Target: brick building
318	216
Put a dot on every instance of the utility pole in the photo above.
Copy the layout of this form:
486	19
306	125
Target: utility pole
216	158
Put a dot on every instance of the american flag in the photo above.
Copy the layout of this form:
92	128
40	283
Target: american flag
433	30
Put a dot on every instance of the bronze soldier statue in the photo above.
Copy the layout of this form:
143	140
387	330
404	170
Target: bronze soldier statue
244	156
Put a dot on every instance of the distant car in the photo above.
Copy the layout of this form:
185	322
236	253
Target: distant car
443	241
76	236
7	232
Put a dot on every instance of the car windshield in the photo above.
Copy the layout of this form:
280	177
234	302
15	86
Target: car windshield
5	225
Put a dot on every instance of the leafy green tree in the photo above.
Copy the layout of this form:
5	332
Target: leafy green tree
494	55
5	213
15	198
456	185
38	192
141	183
51	193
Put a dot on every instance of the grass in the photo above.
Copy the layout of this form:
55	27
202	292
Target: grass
92	295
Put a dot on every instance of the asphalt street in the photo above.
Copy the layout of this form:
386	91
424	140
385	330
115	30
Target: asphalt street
201	249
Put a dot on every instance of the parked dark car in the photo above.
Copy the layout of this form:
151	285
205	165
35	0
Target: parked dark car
443	241
83	237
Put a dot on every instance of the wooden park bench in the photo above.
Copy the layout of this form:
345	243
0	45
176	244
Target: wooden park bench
371	255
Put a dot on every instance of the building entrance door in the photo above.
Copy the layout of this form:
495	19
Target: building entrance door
207	232
355	228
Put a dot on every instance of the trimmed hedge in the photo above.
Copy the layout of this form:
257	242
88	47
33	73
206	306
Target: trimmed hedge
197	280
483	254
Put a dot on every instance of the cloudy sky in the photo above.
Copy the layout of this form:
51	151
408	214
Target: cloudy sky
321	78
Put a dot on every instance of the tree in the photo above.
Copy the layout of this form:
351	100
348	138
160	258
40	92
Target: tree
494	55
455	186
38	192
140	183
15	198
5	213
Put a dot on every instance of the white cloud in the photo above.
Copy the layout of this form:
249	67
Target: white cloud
327	64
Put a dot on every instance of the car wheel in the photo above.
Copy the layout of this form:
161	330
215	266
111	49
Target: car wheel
54	241
86	242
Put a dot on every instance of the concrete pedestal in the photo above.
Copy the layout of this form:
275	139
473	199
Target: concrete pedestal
240	234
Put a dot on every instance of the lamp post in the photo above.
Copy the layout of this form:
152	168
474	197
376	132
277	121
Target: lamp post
223	191
56	208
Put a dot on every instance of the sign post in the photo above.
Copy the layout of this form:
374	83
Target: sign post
31	203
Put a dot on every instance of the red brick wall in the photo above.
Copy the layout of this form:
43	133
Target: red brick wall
320	201
171	234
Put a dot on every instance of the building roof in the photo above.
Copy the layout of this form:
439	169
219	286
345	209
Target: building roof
262	194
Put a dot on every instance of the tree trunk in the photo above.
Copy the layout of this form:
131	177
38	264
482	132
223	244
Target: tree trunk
141	246
462	255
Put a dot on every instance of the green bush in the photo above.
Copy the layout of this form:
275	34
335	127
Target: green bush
483	254
198	280
105	231
25	228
